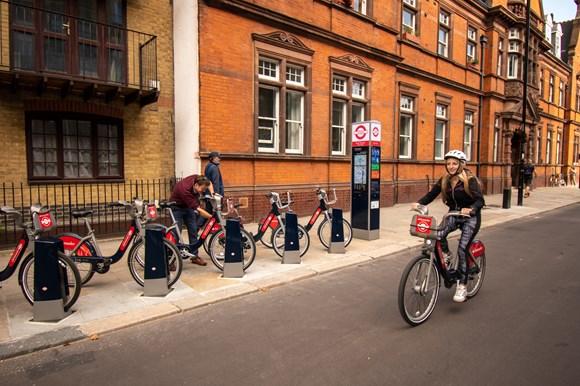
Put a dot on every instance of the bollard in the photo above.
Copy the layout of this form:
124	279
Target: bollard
291	243
234	254
156	264
50	281
507	198
336	244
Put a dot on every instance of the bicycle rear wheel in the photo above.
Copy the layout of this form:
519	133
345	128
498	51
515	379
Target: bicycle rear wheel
70	241
475	276
417	294
136	262
217	249
73	290
326	227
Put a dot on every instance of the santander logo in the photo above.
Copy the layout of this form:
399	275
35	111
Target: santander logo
423	224
16	253
360	132
45	220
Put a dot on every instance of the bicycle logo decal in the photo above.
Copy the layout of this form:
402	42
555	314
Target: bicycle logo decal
208	228
16	253
314	216
423	224
152	211
127	238
45	220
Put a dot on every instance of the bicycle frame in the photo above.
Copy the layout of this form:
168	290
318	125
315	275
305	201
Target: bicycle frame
85	252
274	218
323	207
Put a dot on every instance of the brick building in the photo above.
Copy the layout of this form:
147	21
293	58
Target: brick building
86	98
279	91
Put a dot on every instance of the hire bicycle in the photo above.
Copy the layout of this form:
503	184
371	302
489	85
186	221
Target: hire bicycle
214	227
42	221
86	252
325	227
421	279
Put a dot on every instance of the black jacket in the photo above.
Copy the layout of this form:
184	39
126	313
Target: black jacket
457	198
212	172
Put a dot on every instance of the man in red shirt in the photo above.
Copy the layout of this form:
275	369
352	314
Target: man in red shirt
186	194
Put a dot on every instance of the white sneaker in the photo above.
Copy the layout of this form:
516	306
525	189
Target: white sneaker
460	293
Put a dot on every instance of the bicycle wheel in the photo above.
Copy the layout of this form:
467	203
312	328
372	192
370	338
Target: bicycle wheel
476	275
70	241
73	290
278	241
217	249
417	295
136	262
325	228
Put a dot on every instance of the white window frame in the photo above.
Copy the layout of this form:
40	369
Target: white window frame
271	61
514	33
441	115
513	66
413	13
275	129
558	144
289	73
514	46
360	6
412	3
361	89
407	110
468	139
549	148
496	133
471	43
300	149
551	89
443	46
338	80
342	128
561	94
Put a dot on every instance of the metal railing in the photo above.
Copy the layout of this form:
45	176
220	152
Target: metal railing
63	199
38	41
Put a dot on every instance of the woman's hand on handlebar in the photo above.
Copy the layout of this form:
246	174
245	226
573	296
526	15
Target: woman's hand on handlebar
467	211
415	206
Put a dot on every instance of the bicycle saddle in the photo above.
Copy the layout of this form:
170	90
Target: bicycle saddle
9	210
166	204
81	213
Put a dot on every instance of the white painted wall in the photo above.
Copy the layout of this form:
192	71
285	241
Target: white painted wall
186	67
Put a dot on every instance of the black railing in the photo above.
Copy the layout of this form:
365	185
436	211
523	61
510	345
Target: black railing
43	42
63	199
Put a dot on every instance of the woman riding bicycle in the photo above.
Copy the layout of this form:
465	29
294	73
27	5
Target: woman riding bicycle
461	191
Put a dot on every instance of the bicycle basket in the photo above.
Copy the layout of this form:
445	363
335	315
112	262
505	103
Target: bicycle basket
151	212
43	221
424	226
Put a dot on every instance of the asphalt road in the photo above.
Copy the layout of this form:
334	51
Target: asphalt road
344	328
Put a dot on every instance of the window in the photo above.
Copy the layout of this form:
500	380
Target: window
406	126
468	134
577	97
496	136
539	147
281	106
551	89
542	84
513	66
549	148
558	149
576	149
348	93
471	44
514	33
410	16
441	114
72	148
499	70
561	94
93	45
360	6
514	46
443	39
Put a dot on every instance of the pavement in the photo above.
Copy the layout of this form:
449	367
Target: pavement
114	301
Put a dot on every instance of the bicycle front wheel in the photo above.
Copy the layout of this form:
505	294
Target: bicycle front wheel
418	290
475	275
278	240
70	241
136	262
72	290
326	227
217	248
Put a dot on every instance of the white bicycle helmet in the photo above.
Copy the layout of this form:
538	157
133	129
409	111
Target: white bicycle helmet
456	154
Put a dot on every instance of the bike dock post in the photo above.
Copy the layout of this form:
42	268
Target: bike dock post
234	256
50	281
156	264
291	243
336	244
